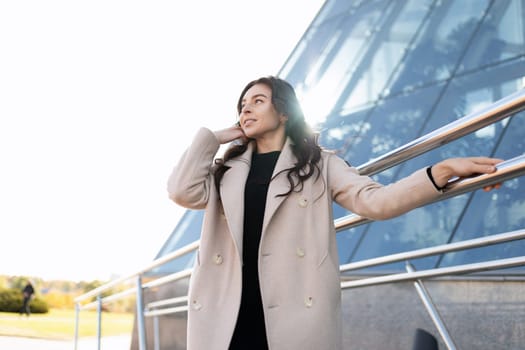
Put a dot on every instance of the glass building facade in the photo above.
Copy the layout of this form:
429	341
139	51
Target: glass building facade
373	75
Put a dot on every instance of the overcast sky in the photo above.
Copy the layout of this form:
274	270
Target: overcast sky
97	101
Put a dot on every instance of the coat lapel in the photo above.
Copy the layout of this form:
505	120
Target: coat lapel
232	194
279	184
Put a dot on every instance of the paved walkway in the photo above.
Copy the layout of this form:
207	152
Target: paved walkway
107	343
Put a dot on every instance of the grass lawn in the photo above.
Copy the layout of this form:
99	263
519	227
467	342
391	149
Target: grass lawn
60	324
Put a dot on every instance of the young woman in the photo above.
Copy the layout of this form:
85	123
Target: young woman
267	271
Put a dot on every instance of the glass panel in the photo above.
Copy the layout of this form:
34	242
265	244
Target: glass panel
385	49
501	36
472	92
308	52
439	44
187	231
393	123
334	8
420	228
339	132
327	78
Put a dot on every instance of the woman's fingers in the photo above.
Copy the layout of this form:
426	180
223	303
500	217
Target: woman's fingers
473	166
484	164
492	187
486	160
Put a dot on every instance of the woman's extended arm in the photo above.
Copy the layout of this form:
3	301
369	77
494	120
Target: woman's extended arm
365	197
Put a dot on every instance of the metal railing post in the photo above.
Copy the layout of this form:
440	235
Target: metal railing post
432	310
156	333
141	324
77	311
99	321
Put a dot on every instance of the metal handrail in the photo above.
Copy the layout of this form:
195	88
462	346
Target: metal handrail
512	168
508	169
170	301
491	114
157	282
440	249
437	272
156	263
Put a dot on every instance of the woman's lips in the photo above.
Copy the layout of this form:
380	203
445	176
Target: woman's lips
248	122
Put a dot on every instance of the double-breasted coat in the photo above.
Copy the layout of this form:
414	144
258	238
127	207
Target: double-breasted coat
298	261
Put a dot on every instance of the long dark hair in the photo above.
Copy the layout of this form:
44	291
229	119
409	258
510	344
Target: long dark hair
304	145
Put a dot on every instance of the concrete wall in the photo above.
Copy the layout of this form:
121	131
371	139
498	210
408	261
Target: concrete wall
481	315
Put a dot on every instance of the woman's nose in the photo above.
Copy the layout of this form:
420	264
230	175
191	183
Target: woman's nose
246	109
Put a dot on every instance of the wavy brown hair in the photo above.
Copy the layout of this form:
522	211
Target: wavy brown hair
304	145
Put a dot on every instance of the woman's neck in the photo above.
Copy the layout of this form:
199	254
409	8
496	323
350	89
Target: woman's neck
270	144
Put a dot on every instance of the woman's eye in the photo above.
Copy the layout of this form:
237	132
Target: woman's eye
258	100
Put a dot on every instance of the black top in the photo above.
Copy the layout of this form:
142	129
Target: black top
250	332
28	290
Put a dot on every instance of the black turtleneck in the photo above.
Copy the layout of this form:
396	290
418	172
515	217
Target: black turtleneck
250	331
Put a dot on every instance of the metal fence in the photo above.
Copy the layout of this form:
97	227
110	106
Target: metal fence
509	169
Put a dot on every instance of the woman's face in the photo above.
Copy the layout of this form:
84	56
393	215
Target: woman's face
258	117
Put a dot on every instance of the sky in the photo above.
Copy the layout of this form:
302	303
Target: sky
98	100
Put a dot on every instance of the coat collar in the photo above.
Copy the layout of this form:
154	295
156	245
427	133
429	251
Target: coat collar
233	186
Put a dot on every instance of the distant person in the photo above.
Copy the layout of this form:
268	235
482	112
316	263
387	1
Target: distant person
267	271
27	292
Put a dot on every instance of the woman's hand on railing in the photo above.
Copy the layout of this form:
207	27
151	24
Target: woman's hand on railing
460	168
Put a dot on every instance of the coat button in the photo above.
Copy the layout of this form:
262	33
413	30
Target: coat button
196	305
299	252
217	259
303	202
308	302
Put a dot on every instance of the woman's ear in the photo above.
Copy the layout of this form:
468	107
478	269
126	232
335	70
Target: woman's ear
283	118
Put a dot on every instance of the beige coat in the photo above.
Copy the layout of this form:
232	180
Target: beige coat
298	260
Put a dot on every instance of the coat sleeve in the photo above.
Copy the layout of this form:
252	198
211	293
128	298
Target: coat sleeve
190	182
363	196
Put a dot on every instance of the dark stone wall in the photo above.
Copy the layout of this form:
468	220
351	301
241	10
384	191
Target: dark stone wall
481	315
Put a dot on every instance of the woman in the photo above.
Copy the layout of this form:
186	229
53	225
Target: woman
267	271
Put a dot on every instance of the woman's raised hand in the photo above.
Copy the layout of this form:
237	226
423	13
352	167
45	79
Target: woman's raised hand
230	134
